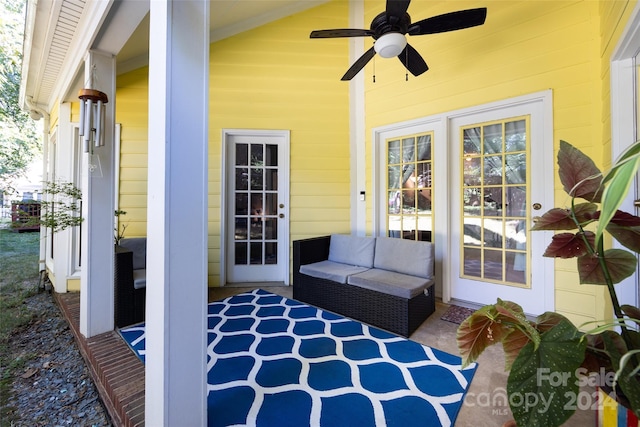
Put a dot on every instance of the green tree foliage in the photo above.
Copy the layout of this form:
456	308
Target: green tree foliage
19	141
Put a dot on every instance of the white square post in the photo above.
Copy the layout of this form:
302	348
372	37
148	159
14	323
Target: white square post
96	279
176	374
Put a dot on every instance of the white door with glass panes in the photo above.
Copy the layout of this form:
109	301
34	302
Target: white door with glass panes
257	228
501	170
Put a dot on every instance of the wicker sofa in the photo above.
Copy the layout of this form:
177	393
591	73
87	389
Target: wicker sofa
130	277
385	282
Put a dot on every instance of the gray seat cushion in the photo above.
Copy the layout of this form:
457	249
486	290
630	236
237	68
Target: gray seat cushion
137	245
390	282
330	270
352	250
404	256
139	278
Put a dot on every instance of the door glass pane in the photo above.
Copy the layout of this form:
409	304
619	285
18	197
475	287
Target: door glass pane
495	202
409	187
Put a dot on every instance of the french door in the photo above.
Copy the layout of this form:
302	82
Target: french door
257	196
502	177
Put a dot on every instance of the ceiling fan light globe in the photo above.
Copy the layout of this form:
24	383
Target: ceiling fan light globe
390	45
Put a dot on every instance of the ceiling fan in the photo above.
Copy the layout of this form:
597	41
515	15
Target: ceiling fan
389	30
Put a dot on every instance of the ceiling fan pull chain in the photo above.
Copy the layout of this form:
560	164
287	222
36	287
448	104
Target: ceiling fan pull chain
374	69
406	65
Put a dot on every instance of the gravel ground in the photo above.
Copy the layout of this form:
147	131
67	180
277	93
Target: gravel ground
51	386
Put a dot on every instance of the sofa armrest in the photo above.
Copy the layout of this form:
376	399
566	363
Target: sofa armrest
308	251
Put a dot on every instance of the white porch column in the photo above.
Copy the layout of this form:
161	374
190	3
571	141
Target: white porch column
96	278
64	173
175	392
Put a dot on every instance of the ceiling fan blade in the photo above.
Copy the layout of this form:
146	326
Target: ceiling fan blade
449	22
397	7
359	64
413	61
340	32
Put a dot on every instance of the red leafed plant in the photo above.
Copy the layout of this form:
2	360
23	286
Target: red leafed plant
548	358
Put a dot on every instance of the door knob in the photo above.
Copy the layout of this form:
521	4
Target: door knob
281	215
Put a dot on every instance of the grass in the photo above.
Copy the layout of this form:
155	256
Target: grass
19	254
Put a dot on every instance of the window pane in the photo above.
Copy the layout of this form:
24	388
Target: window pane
242	178
472	265
240	253
493	264
471	141
472	232
516	201
242	204
271	253
493	233
242	154
241	229
257	158
255	253
516	168
271	175
424	147
271	155
393	152
492	201
271	229
516	135
472	201
271	205
472	172
394	176
256	178
408	150
493	170
493	139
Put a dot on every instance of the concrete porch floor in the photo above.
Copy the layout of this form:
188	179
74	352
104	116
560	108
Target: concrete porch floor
119	374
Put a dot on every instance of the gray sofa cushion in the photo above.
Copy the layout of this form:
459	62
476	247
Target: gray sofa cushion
140	278
404	256
330	270
352	250
390	283
137	245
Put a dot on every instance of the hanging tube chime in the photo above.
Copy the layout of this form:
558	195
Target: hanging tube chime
92	113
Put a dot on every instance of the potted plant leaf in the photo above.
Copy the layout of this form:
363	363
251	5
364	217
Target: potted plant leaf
549	357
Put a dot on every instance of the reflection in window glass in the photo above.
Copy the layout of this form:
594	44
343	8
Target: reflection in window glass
409	187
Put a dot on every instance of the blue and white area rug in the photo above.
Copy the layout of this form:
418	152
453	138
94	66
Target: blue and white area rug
276	362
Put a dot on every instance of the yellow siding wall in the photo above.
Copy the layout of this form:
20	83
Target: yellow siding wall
275	77
132	113
272	77
523	47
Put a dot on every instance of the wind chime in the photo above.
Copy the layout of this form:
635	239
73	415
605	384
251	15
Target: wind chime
92	113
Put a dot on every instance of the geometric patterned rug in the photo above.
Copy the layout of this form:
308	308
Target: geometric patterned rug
457	314
276	362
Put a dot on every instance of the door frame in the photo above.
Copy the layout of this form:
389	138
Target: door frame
284	185
624	124
440	125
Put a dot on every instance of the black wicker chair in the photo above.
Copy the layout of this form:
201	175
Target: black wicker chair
129	265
